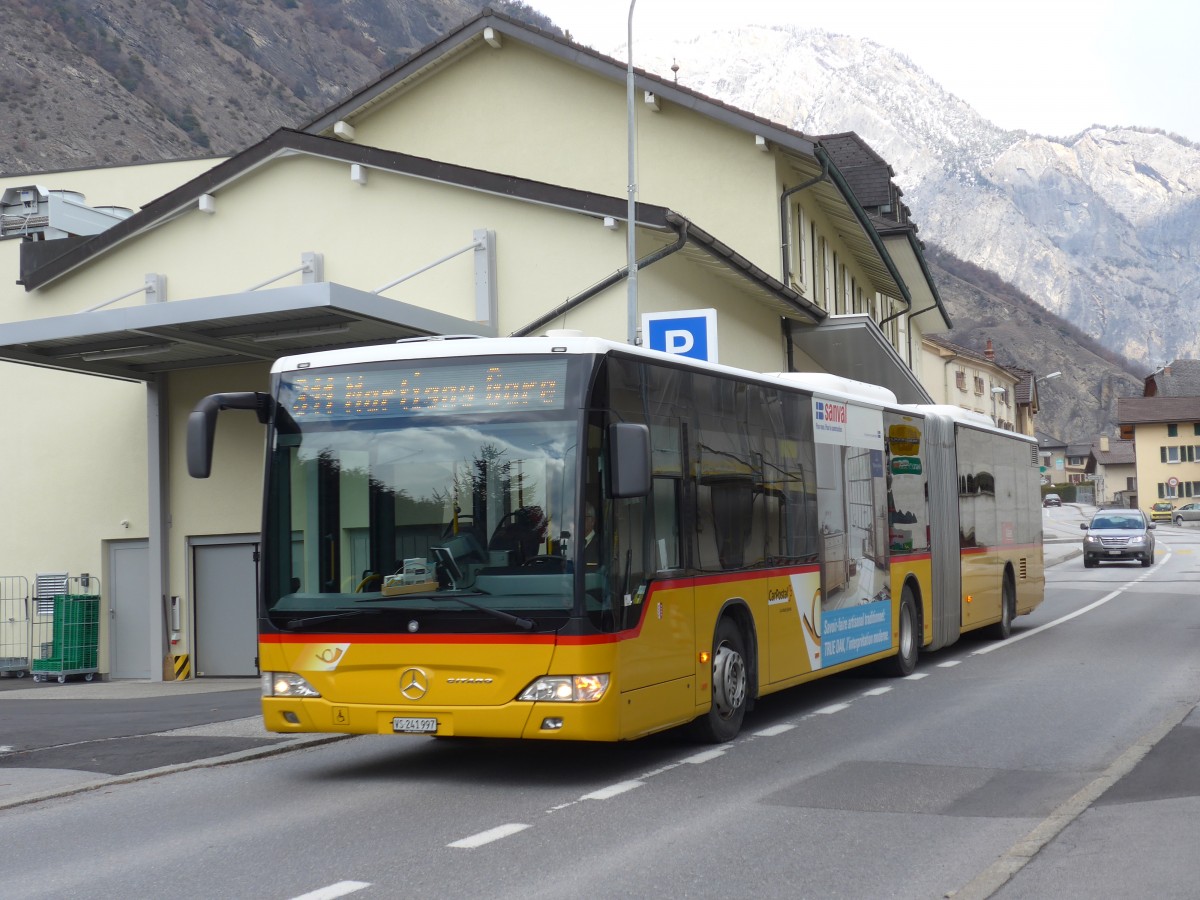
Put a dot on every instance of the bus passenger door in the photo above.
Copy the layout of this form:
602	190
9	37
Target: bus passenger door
658	605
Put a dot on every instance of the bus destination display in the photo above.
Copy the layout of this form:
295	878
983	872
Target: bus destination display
405	390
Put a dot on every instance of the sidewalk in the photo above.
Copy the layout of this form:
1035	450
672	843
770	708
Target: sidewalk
58	739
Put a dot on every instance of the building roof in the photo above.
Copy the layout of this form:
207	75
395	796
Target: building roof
1154	410
1118	453
1049	443
1179	379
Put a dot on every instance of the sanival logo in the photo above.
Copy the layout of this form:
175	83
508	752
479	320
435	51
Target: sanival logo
831	412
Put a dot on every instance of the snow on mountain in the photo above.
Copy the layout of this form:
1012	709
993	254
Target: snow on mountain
1101	227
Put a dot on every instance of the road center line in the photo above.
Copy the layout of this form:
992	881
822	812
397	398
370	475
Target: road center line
830	710
341	889
486	837
612	790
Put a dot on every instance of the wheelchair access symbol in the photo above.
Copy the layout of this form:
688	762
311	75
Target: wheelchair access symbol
688	332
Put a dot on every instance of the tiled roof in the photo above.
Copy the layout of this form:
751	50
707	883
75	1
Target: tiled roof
1180	379
1119	453
1147	410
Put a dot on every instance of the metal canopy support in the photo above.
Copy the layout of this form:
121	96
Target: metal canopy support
486	308
157	562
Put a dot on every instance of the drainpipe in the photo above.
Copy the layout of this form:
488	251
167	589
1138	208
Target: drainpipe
571	302
784	243
908	331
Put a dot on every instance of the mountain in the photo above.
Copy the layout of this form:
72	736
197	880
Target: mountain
1101	228
1096	229
1076	406
85	83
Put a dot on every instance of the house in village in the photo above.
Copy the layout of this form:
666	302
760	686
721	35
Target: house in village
1164	427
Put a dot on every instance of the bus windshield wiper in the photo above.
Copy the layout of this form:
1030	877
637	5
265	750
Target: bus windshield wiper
346	613
519	621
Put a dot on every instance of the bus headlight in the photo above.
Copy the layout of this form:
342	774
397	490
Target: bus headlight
566	689
286	684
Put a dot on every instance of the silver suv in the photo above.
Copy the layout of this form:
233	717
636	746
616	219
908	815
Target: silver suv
1118	534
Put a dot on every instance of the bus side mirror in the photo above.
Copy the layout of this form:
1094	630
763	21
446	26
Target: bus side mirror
629	460
202	425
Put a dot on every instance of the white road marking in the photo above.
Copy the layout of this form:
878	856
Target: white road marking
877	692
949	664
916	676
704	757
830	710
341	889
612	790
486	837
774	730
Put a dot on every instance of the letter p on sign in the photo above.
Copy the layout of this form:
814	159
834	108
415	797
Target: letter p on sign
688	332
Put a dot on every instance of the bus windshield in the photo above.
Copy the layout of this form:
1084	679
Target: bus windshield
449	488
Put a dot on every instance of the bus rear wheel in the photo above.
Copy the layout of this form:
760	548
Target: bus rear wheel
730	687
1008	611
908	642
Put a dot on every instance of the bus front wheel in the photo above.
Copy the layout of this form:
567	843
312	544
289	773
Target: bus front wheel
730	687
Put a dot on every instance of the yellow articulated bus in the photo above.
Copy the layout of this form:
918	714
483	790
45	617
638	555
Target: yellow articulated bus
567	538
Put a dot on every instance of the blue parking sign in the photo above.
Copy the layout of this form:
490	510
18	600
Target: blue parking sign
688	332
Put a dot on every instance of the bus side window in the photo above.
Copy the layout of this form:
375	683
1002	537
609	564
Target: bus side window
666	523
666	493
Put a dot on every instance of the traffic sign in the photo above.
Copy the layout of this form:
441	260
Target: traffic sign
686	332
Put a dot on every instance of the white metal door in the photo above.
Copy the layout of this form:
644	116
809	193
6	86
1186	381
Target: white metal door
129	609
226	619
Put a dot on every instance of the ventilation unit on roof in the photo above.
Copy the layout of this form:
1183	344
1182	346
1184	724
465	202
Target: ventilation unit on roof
36	214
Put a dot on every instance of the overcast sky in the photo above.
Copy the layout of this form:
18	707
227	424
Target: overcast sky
1048	66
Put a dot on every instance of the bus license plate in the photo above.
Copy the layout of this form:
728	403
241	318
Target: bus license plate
414	726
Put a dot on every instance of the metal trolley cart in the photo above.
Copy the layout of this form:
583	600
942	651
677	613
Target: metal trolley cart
14	625
66	631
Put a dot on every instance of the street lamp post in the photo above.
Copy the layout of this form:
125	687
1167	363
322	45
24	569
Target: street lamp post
631	229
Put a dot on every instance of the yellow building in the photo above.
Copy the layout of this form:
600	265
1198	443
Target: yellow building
478	188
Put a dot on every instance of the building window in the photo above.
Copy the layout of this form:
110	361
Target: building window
1168	454
1172	430
798	264
1196	428
960	379
978	385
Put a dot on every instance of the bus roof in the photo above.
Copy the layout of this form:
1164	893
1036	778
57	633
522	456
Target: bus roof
575	343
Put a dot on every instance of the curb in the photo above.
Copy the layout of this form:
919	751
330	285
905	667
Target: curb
212	762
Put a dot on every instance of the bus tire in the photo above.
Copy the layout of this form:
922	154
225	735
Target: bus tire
730	687
908	641
1008	611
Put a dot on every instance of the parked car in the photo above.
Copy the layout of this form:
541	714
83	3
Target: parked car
1052	500
1118	535
1161	511
1189	512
